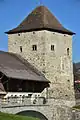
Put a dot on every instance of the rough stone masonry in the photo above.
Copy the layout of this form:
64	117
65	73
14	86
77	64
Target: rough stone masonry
56	65
43	41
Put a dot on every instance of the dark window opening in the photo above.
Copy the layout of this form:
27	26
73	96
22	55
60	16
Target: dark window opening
33	32
52	47
18	34
67	51
68	80
20	48
34	47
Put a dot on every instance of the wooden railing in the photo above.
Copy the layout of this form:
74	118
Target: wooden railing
23	101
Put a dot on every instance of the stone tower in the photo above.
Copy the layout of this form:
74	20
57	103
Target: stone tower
46	44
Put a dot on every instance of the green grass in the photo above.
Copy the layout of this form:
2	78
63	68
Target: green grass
5	116
76	107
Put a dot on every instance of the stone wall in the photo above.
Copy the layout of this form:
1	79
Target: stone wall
55	65
54	112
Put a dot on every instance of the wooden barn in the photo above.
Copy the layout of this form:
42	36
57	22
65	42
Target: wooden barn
18	75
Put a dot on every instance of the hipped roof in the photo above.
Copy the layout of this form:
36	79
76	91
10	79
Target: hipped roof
40	19
14	66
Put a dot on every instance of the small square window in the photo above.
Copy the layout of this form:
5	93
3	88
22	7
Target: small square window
33	32
62	66
52	47
18	34
68	80
34	47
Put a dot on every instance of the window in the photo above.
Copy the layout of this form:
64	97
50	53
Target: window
34	47
20	48
18	34
33	32
67	51
52	47
68	80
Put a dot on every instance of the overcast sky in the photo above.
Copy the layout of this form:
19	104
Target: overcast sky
12	12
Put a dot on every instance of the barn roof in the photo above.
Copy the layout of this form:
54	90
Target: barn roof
40	19
14	66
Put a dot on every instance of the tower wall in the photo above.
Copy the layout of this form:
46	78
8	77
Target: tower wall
55	64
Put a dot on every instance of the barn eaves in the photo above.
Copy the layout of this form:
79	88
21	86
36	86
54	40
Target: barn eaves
14	66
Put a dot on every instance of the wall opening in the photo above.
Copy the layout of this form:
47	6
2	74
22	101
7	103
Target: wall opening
20	48
18	34
34	47
33	32
67	51
32	113
52	47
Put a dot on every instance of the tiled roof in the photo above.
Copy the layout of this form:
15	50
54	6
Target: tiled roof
14	66
40	19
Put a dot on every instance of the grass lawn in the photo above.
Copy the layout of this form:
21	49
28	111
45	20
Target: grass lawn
5	116
77	107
